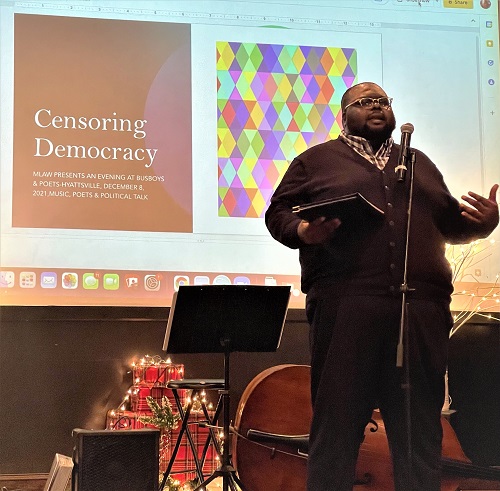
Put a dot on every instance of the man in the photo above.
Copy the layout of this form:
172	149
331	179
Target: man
352	274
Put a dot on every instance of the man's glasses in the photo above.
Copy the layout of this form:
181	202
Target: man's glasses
369	102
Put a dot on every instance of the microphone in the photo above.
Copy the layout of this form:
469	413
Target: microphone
406	131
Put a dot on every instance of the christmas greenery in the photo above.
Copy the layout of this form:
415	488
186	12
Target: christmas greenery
163	416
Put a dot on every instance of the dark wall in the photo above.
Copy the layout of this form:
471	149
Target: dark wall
64	368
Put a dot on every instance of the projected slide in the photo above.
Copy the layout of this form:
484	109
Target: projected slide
101	139
274	101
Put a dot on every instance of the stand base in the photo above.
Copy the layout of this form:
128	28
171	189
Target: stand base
229	479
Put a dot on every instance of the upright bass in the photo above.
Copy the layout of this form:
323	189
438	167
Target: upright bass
272	425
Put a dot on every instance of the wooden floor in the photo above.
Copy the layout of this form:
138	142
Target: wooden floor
36	482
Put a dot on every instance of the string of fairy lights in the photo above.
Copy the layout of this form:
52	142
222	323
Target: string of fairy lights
473	297
149	372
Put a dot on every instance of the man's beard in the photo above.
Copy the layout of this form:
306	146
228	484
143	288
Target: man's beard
380	134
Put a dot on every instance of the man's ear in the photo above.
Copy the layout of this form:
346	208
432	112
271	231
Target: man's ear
344	125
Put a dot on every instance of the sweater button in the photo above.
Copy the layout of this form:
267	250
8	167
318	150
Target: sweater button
391	223
392	244
392	266
389	205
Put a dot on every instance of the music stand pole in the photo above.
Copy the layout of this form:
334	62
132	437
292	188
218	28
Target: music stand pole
226	471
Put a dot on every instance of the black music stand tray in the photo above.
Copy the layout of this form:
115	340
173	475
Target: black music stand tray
224	319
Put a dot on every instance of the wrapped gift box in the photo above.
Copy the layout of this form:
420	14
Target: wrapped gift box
150	377
138	394
184	468
152	371
158	393
125	420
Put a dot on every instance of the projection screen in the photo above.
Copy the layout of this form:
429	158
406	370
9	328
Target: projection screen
141	141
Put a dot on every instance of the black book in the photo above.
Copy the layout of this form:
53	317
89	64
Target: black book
347	208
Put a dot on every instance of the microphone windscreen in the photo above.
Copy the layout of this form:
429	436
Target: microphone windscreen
407	128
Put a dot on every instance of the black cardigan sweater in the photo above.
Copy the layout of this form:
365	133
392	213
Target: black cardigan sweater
367	257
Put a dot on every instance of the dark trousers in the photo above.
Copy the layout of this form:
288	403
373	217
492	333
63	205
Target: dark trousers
353	371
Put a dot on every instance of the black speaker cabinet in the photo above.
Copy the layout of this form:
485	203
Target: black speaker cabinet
109	460
474	384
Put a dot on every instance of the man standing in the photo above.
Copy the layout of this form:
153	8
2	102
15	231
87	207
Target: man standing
352	274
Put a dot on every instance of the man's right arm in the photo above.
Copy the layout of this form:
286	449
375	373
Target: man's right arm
281	222
284	225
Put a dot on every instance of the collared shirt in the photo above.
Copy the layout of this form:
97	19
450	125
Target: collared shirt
363	147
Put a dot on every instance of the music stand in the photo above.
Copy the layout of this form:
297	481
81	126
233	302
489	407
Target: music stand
224	319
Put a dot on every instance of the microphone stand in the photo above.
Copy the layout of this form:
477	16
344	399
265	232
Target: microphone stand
403	349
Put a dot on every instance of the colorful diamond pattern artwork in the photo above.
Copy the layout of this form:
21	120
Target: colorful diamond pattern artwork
273	102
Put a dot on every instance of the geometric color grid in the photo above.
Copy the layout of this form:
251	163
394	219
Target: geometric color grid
273	102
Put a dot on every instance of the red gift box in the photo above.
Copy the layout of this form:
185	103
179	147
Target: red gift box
120	420
125	420
139	393
184	467
158	393
153	371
